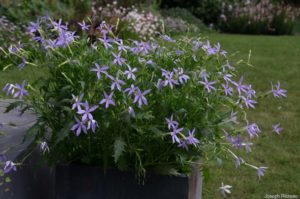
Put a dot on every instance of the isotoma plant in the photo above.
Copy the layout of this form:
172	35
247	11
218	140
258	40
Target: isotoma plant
134	105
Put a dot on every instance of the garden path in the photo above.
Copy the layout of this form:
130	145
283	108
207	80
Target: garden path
12	130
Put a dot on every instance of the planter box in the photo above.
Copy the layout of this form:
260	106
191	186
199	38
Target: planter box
80	182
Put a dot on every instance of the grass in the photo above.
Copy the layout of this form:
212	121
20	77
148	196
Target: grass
275	58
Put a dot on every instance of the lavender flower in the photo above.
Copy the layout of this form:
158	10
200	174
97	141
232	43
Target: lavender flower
227	78
140	97
99	70
65	38
77	101
179	52
121	46
92	124
183	144
183	78
106	42
191	138
118	59
171	123
108	100
208	85
86	112
278	92
9	165
131	111
79	126
44	147
248	102
224	189
9	89
33	27
169	80
247	146
58	25
240	87
21	91
22	65
84	26
261	171
130	73
253	130
277	128
228	90
174	135
238	161
167	38
131	90
116	83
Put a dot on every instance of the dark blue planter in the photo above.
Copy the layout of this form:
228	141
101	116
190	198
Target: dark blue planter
84	182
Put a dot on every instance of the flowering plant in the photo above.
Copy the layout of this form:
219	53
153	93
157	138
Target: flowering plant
263	17
135	105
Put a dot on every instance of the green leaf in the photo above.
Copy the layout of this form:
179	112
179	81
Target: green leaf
206	174
64	132
147	115
7	180
119	146
32	132
12	106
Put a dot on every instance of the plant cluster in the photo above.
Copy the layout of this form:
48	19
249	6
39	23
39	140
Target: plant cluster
134	105
178	20
10	33
263	17
129	21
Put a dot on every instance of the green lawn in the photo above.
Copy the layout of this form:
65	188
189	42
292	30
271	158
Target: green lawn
274	58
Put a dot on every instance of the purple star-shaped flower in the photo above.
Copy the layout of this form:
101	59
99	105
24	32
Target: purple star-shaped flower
208	85
44	147
277	128
86	111
240	86
9	89
118	59
77	101
131	111
183	78
9	165
21	90
121	46
172	124
92	124
261	171
167	38
131	90
253	130
248	102
79	126
130	73
228	90
108	100
22	65
116	83
84	26
169	80
191	138
100	70
106	42
174	134
238	161
140	97
277	91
